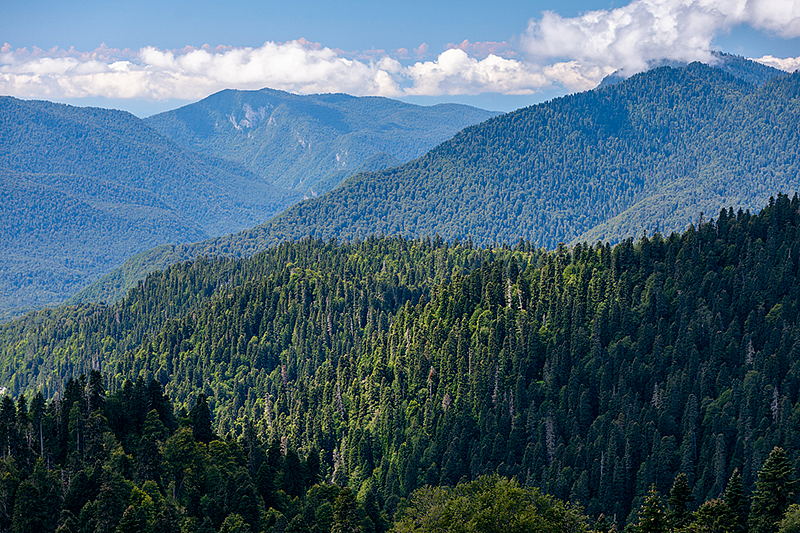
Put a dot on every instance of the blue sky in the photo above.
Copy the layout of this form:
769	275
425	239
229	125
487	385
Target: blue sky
148	56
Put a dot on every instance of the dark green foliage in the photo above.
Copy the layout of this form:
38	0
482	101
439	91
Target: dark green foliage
680	495
345	513
29	511
735	500
384	365
201	419
774	492
653	152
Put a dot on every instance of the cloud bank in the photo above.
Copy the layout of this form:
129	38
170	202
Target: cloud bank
630	37
554	52
297	66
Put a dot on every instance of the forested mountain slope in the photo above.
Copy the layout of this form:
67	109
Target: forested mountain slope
592	372
654	151
311	142
686	140
83	189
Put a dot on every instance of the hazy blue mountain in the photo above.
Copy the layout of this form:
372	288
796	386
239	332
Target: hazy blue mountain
83	189
652	152
312	142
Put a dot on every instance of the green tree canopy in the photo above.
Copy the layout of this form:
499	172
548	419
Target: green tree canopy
490	504
774	492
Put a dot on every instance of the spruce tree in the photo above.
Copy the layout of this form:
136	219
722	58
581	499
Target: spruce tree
714	516
29	509
735	500
791	520
200	415
679	497
774	491
345	513
652	518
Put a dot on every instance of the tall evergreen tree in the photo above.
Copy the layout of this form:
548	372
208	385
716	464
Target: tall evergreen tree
713	516
200	415
345	513
735	500
679	497
652	517
774	493
95	391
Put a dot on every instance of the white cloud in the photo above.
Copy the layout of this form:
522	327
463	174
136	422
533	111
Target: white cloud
296	66
642	31
454	72
572	53
789	64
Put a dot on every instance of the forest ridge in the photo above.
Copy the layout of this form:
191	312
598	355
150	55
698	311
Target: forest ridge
592	372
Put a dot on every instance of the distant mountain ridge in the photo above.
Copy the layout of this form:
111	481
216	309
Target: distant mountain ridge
85	188
311	142
650	153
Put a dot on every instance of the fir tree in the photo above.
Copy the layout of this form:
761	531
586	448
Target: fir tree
679	497
345	513
735	500
774	491
652	518
200	417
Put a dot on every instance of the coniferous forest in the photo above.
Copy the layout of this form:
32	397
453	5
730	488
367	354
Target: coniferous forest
420	385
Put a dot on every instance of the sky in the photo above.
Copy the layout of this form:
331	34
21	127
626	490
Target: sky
149	56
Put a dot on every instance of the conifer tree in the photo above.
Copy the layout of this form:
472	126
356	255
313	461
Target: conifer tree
774	492
95	391
791	520
200	417
714	516
735	500
679	497
652	518
29	509
345	513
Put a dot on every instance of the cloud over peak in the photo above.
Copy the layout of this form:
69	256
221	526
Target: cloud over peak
633	36
553	52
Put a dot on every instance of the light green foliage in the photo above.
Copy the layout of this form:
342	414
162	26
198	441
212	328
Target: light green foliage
791	520
713	516
234	524
490	504
652	515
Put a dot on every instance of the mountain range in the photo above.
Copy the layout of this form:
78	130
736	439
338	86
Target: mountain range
311	143
84	189
653	152
404	351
